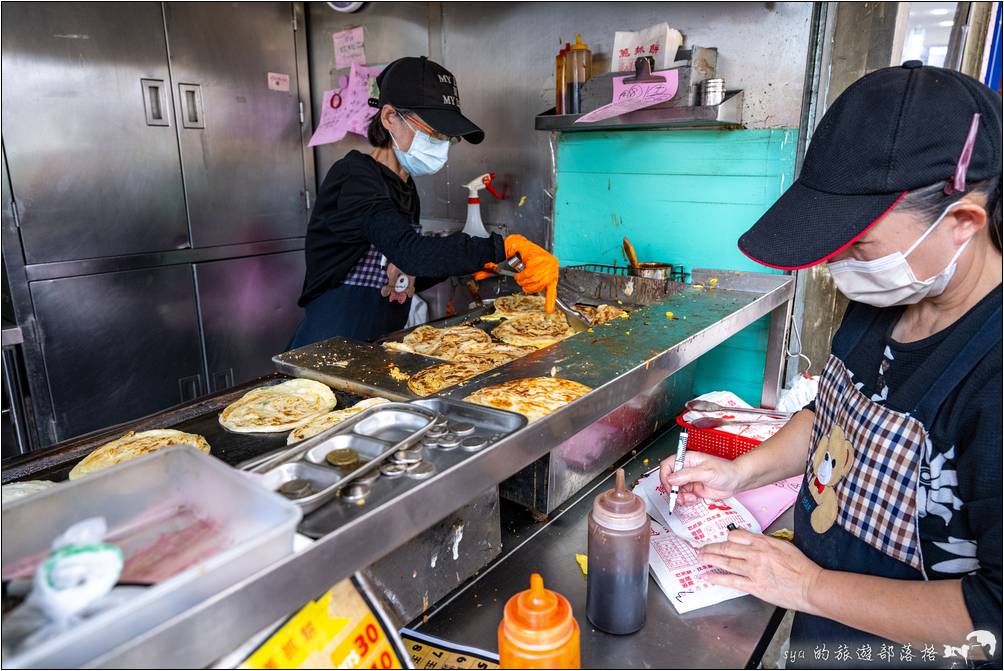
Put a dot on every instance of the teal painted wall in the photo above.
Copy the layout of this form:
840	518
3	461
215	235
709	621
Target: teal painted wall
681	197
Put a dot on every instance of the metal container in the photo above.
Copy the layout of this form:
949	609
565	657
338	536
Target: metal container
693	66
138	497
375	434
653	271
712	91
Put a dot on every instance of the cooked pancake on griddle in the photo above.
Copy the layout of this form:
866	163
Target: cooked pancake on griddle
278	407
496	353
434	378
600	314
445	343
533	397
16	490
423	340
319	423
516	304
133	445
533	330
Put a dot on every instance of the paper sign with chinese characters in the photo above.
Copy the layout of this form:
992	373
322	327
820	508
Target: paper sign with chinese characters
350	48
658	41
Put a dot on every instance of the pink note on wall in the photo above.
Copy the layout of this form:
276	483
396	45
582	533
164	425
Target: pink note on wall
631	96
346	110
349	47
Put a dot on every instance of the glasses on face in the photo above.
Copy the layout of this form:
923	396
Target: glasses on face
414	122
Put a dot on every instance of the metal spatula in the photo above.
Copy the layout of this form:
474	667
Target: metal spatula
576	320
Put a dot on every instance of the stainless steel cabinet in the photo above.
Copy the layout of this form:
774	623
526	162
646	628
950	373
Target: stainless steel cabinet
241	145
249	313
88	130
118	345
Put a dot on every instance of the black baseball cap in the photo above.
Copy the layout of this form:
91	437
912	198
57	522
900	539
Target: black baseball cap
430	90
892	131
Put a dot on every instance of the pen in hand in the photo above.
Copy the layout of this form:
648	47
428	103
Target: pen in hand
681	452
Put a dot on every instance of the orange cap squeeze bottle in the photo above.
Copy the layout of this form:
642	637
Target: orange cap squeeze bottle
538	631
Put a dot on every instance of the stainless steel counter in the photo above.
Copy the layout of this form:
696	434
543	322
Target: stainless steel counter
619	360
732	634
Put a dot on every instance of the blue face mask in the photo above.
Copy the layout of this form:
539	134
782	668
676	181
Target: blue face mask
425	156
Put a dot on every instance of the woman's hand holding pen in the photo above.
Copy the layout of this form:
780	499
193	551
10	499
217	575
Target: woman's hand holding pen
702	477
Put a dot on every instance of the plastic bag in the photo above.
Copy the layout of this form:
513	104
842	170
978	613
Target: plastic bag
75	581
799	394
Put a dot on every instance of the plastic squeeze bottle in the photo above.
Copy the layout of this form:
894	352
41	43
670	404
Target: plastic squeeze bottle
559	79
538	631
578	70
617	582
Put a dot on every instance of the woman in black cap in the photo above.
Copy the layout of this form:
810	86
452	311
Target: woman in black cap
897	544
364	229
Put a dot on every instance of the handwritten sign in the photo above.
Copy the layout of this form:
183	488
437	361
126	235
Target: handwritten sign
349	48
346	109
631	96
659	41
278	81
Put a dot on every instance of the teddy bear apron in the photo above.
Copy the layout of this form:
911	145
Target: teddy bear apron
857	508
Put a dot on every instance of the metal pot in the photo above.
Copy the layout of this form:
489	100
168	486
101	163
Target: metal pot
653	271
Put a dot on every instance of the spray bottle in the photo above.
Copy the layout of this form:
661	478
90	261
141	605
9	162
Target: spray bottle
474	226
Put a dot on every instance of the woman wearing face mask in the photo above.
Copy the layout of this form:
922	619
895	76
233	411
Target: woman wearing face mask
364	228
897	538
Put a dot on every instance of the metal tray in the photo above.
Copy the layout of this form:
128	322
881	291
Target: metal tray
140	498
489	421
488	424
381	430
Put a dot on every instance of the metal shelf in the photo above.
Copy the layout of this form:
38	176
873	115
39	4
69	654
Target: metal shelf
728	114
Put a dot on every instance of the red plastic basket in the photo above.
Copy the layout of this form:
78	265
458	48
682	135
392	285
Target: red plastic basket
719	443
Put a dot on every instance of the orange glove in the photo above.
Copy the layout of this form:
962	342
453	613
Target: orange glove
485	274
541	272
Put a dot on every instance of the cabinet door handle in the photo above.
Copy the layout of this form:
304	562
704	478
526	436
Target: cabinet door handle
154	102
190	388
223	379
193	112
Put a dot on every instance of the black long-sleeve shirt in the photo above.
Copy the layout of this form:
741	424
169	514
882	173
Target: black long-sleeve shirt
362	202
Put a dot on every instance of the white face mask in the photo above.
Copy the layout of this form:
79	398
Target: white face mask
890	280
425	156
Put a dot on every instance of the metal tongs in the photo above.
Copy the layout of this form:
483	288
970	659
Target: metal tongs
576	320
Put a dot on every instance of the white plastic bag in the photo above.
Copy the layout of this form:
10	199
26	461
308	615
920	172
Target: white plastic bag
74	581
799	395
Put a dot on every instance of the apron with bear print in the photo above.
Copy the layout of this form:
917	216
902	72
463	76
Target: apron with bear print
857	509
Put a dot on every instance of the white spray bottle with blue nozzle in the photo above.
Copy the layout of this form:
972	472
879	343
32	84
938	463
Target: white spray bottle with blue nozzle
474	226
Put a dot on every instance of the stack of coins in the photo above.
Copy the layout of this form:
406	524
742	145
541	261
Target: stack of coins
345	458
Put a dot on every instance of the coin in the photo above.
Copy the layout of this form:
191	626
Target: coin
391	470
449	441
295	489
462	428
473	443
436	431
407	456
429	442
356	492
421	471
342	457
